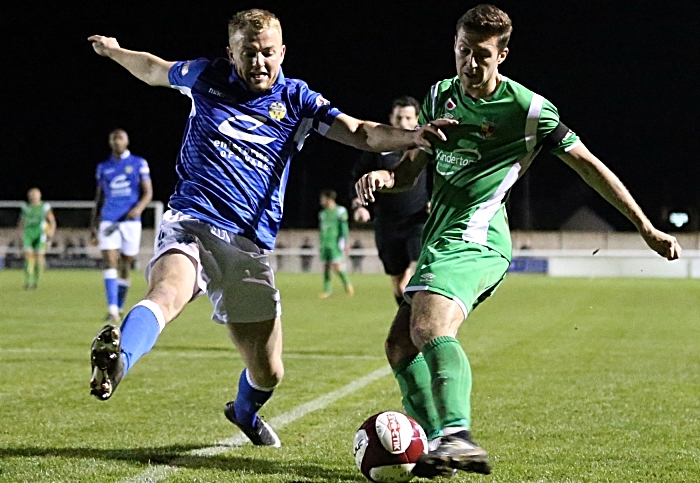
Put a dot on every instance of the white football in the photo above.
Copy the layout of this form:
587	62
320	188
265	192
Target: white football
387	447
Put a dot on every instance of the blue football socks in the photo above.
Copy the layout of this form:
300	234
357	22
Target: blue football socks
140	330
249	400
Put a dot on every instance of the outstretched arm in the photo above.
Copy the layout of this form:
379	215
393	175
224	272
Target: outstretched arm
401	178
372	136
604	181
146	67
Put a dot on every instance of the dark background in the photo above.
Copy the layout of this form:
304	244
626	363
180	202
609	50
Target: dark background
623	74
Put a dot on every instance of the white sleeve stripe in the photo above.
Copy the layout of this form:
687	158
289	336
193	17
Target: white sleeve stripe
434	93
187	92
533	118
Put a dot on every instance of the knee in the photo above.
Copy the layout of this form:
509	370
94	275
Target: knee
269	378
420	333
277	375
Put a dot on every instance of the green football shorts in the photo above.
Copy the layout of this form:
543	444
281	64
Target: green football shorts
34	241
465	272
331	254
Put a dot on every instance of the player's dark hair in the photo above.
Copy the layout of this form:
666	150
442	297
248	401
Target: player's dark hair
330	194
487	21
253	20
118	129
405	101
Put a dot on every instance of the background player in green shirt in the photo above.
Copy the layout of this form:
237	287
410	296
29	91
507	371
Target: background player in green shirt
37	223
333	227
466	241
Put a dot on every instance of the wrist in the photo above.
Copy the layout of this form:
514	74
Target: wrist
645	227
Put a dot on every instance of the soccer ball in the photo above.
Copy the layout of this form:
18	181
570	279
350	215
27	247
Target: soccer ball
387	447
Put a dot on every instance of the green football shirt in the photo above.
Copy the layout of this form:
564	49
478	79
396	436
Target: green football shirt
333	224
34	219
484	155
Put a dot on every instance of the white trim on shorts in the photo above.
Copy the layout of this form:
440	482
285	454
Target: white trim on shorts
166	241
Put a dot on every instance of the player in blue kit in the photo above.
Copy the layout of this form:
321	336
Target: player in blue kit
123	191
247	121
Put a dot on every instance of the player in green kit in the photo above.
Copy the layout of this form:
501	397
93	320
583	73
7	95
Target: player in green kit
333	227
466	240
38	225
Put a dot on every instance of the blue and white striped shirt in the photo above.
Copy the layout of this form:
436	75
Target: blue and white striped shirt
234	161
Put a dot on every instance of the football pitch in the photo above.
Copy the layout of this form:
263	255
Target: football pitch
575	380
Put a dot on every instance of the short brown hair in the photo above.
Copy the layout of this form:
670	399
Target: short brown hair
330	194
487	21
254	20
406	101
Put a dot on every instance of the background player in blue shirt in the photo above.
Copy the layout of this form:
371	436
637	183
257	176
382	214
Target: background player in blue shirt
247	121
123	191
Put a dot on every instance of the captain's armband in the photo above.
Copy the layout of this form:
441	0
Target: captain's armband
557	135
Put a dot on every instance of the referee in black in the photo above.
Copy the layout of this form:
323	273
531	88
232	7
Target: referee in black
398	217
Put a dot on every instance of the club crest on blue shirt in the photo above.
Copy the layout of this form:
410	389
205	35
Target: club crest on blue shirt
129	169
277	111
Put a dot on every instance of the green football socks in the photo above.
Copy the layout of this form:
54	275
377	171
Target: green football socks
451	381
413	377
29	269
327	281
344	278
38	271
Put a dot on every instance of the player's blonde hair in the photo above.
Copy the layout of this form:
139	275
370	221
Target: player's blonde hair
254	20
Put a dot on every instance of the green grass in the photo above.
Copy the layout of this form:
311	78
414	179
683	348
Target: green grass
575	380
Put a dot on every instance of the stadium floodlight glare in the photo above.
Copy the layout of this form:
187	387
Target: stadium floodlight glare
678	218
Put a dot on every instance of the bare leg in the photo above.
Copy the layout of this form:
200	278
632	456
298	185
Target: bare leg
29	269
171	283
260	345
338	269
435	320
399	282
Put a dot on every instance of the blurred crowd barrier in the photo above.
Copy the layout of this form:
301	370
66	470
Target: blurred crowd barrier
560	253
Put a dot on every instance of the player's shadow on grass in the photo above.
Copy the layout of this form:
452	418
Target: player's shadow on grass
175	456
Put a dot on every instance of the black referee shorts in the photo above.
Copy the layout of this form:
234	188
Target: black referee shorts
397	249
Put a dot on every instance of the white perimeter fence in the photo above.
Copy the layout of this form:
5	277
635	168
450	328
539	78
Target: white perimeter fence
557	254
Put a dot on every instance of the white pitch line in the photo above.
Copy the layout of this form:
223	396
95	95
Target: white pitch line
154	474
